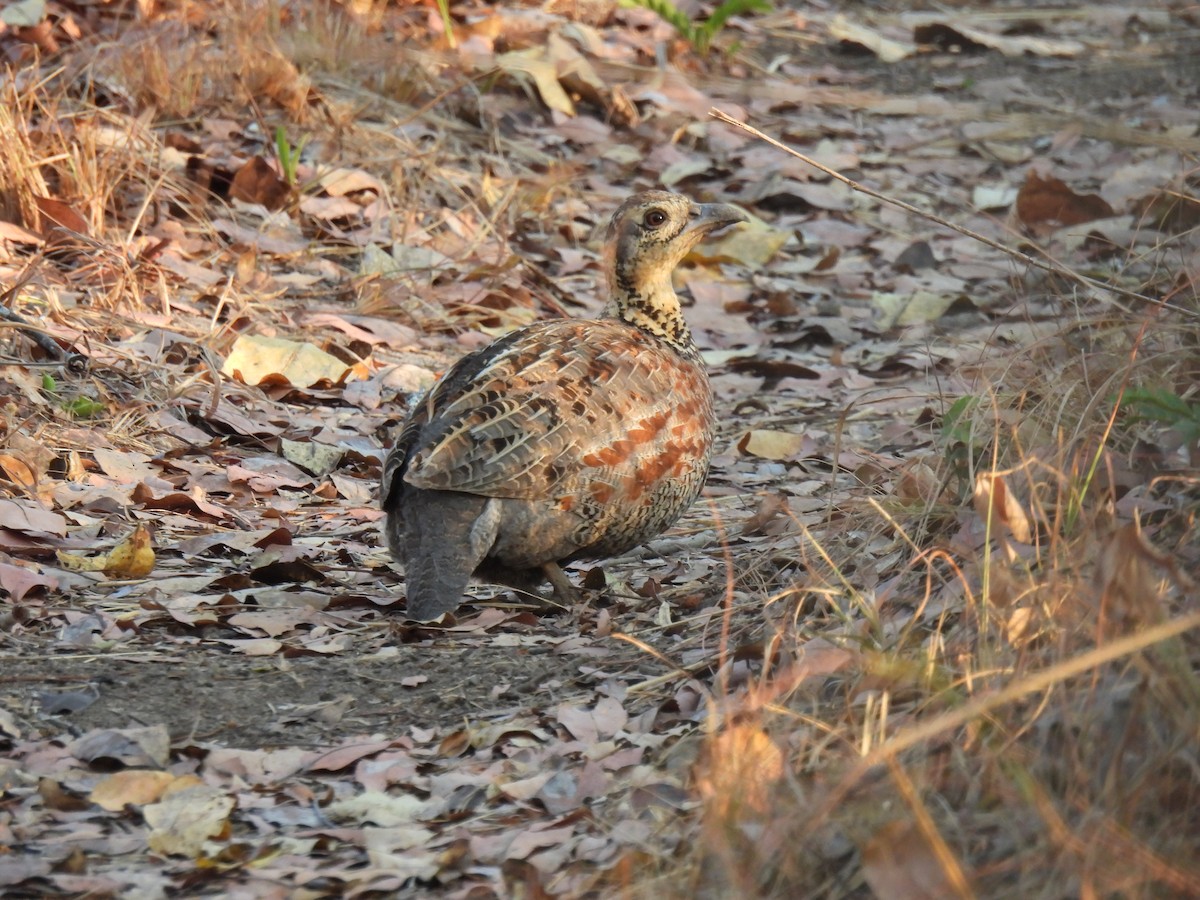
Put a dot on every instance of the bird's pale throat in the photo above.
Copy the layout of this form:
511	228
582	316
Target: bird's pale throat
651	305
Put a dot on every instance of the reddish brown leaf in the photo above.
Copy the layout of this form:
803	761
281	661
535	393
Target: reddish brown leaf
1048	201
57	214
257	182
18	581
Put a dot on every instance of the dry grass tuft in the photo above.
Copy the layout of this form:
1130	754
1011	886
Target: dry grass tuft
1015	715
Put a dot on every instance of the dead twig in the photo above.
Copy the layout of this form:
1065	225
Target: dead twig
1046	265
75	363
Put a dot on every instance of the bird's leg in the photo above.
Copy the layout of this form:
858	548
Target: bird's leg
564	591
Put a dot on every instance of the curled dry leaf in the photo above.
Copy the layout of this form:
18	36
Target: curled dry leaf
919	483
18	581
149	746
995	504
257	182
887	49
132	558
533	64
931	29
1130	576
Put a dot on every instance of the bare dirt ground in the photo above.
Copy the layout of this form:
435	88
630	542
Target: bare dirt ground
320	745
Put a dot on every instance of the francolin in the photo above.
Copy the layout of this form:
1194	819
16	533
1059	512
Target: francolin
564	440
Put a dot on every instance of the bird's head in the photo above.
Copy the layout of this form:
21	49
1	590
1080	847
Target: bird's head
649	235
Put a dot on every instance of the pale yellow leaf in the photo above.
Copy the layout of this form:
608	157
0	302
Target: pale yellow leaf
377	808
885	48
183	821
254	359
753	244
75	562
894	310
133	557
768	444
131	786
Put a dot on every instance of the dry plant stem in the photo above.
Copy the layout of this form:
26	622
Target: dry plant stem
1047	265
1110	836
727	602
651	683
980	706
1076	501
951	869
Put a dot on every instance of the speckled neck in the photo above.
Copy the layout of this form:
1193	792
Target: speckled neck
649	303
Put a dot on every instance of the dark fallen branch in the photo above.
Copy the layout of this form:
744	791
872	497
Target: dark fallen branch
75	363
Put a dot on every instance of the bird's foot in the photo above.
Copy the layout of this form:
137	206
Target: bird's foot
564	592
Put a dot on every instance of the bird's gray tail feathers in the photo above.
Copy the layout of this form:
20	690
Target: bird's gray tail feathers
441	540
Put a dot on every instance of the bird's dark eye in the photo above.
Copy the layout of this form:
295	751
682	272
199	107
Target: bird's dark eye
654	218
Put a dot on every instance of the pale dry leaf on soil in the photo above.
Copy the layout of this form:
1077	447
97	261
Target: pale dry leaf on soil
769	444
934	28
137	787
888	49
187	818
254	360
19	581
31	518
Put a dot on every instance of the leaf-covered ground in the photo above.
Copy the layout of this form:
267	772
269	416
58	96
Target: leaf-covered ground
930	632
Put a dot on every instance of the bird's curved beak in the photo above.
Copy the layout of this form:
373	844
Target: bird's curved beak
709	217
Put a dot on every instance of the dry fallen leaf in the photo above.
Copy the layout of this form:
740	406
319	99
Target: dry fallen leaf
995	504
257	182
768	444
377	808
132	558
753	244
739	774
931	28
1049	202
137	787
1130	576
534	64
887	49
26	516
18	581
185	820
255	359
896	310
